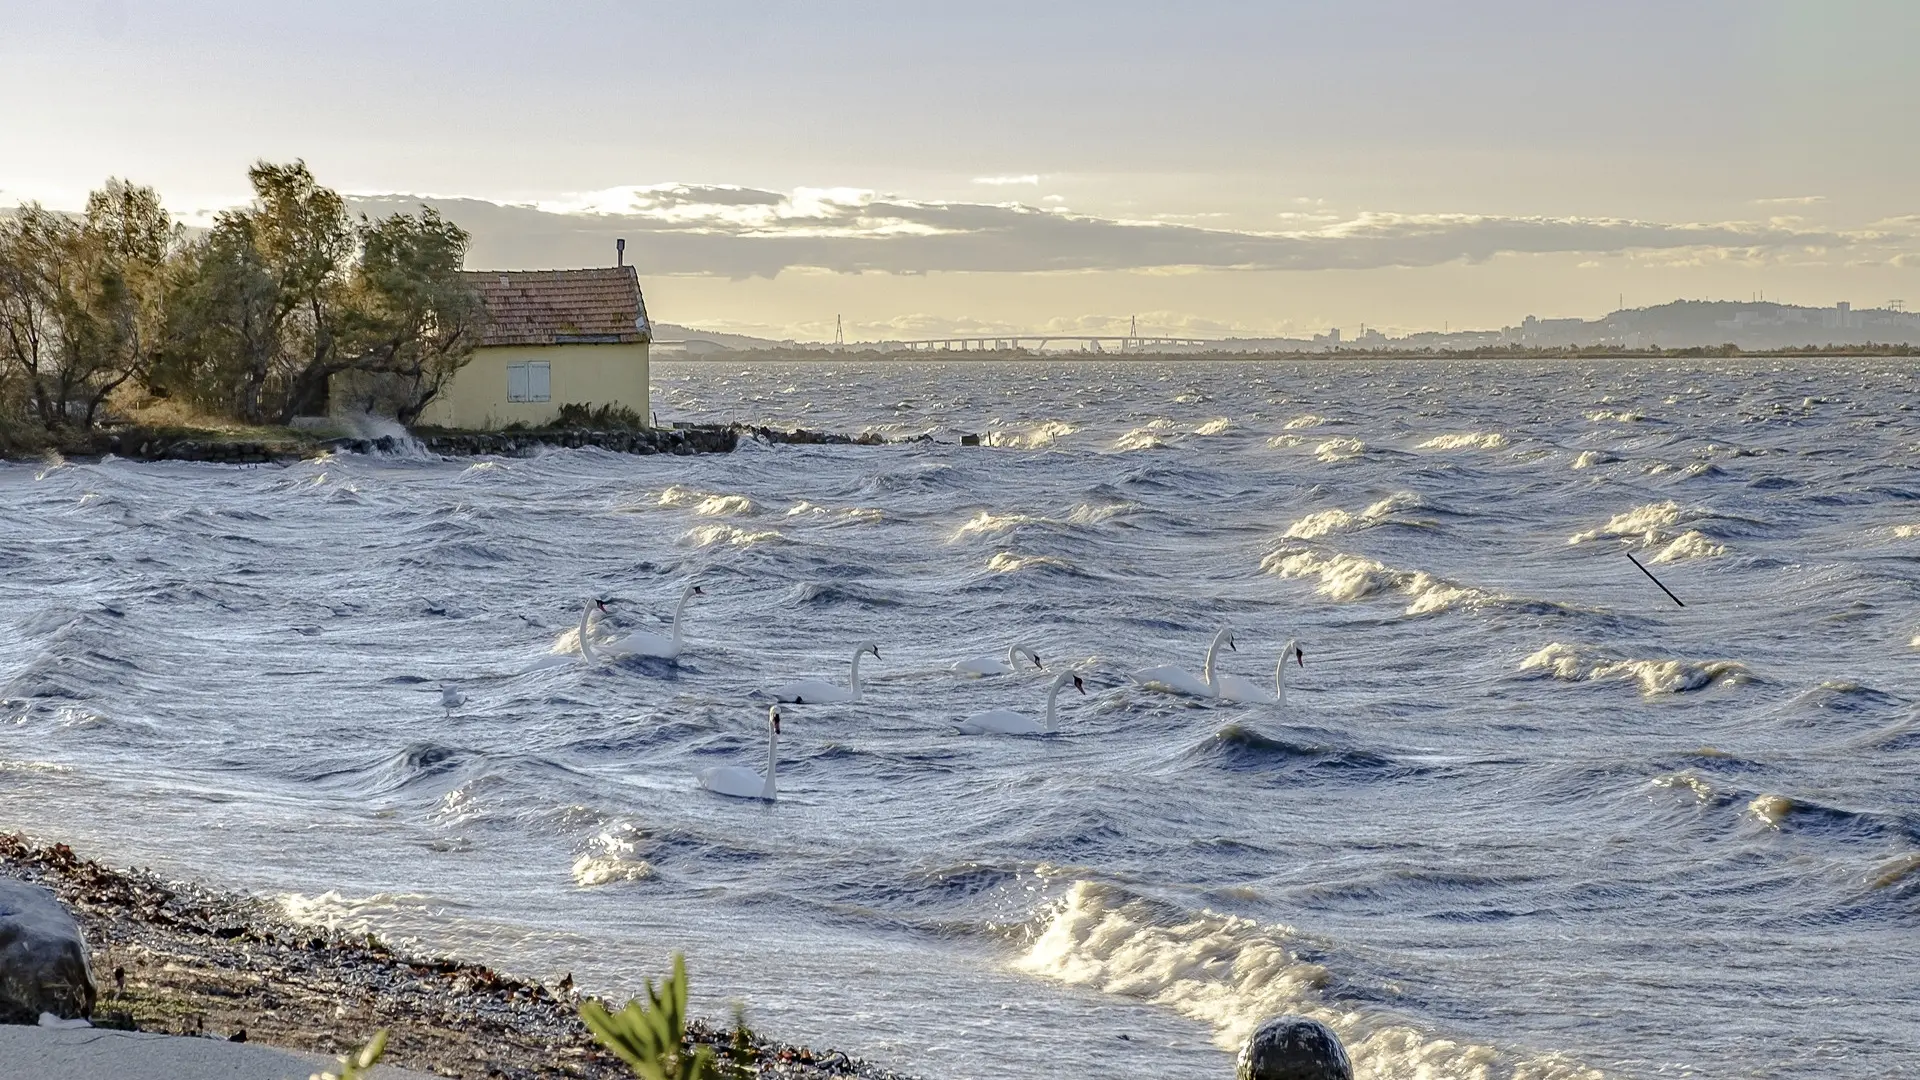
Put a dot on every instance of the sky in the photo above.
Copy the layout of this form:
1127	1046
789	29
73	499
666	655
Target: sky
929	168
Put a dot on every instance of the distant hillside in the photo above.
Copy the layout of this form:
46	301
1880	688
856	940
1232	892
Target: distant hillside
665	334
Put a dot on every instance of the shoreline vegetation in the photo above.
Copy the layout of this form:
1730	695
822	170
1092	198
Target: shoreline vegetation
185	959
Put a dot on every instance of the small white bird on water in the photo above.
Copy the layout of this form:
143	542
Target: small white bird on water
738	782
982	666
451	698
1235	688
821	692
1008	722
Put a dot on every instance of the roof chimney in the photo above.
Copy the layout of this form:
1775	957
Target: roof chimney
620	252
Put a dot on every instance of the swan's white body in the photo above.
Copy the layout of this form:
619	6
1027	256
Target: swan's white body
451	699
982	666
821	692
1235	688
1008	722
1178	681
739	782
647	643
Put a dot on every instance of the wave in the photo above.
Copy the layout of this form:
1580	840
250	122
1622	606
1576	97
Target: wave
707	504
1237	746
1141	438
1231	973
844	514
1309	421
1622	416
1589	458
1584	663
1039	437
1217	426
1330	522
1341	449
1659	525
611	858
1473	440
1006	562
730	536
1347	578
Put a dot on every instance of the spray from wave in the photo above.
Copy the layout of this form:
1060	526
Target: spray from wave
1231	973
1585	663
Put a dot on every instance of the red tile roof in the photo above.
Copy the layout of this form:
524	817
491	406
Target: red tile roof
561	307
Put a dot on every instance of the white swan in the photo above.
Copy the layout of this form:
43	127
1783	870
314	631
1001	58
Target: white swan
647	643
1178	681
1008	722
818	692
741	782
979	666
1235	688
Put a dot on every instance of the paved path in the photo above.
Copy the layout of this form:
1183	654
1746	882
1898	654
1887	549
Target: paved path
34	1053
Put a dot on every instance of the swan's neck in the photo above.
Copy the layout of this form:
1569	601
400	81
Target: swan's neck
1013	656
853	680
1280	675
1213	676
682	606
773	761
1053	703
586	633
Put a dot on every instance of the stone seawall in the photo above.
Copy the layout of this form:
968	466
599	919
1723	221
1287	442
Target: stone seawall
143	445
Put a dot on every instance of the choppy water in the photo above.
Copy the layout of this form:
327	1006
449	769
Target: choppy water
1522	816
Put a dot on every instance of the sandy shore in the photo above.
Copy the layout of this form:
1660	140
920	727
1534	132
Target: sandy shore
180	958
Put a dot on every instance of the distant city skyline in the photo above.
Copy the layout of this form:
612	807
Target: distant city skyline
1216	170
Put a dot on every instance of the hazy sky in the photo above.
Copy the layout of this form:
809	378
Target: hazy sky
929	167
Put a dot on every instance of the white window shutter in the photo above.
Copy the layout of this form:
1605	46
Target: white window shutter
516	382
539	382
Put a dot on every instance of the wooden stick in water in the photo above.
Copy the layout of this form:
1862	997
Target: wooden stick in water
1653	579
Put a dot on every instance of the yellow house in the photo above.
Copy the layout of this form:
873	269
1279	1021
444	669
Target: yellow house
552	338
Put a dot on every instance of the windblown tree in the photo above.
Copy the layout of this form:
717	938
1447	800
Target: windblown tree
284	294
81	308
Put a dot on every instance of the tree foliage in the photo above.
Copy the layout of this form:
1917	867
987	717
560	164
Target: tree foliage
249	320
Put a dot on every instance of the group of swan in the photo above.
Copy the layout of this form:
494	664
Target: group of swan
744	783
1213	684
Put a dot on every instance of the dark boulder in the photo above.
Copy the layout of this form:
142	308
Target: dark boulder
43	960
1294	1048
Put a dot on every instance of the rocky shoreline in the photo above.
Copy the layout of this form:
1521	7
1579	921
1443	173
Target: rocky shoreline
164	444
180	958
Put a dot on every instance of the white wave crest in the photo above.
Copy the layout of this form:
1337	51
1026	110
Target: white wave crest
1281	442
729	535
1472	440
1589	458
1141	438
1308	421
804	509
1601	416
1329	522
1688	781
1217	426
1039	437
987	523
1231	973
707	504
609	859
1007	562
1339	449
1348	578
1659	525
1583	663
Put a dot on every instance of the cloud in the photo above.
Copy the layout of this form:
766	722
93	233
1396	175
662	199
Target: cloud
1007	181
740	232
1791	200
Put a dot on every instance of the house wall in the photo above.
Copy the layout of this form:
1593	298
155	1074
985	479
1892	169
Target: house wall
476	396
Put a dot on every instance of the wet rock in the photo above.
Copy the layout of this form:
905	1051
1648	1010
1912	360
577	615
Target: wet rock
43	961
1294	1048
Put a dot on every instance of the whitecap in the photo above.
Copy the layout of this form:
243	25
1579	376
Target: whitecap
609	859
729	535
1308	421
1472	440
1347	578
1006	562
1038	437
1142	438
1231	973
1589	458
1217	426
707	504
1339	449
1583	663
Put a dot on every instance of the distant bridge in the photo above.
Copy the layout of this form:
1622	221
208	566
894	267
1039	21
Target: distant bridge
1095	343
